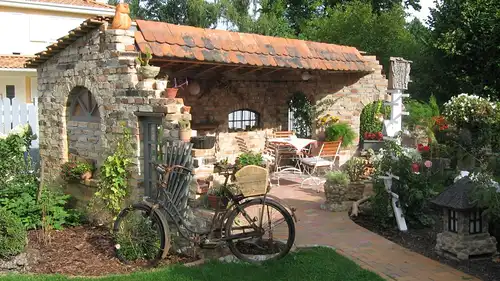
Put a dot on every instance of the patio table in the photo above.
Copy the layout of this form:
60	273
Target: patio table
298	143
293	142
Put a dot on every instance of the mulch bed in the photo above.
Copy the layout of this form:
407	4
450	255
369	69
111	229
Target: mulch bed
423	242
82	251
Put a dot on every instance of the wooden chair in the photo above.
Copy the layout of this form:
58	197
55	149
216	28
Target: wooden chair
329	150
252	180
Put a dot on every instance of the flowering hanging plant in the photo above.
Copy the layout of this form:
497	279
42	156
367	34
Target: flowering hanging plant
326	121
466	109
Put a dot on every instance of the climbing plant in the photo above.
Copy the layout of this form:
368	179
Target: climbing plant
303	113
369	118
113	184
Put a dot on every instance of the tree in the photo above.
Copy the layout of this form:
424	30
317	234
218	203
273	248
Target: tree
356	24
199	13
466	44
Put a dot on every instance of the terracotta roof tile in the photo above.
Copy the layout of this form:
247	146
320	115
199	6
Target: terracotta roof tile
83	3
13	61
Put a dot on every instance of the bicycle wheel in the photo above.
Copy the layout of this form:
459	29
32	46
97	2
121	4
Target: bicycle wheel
141	235
276	238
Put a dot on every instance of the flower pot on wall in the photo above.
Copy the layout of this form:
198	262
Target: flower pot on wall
376	145
87	175
172	92
148	71
185	135
161	85
186	109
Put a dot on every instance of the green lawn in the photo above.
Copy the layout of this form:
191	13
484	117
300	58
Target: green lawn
305	265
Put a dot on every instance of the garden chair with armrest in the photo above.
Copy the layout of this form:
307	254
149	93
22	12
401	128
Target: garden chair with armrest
328	150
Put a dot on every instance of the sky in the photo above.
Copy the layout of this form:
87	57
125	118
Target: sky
424	12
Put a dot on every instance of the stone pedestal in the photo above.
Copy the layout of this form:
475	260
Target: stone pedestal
462	247
339	198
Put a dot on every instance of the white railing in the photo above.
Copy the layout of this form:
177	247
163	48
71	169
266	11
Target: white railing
13	113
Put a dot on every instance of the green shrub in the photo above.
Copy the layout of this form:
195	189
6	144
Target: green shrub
12	234
368	118
340	131
414	190
112	189
250	158
337	178
355	168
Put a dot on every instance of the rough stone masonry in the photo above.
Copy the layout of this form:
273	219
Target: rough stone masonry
98	62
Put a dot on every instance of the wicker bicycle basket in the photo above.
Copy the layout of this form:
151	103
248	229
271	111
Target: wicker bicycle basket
252	180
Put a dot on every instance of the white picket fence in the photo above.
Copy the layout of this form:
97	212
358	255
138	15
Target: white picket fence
13	113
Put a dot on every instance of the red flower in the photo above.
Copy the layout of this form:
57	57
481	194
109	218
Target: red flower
366	135
415	167
426	148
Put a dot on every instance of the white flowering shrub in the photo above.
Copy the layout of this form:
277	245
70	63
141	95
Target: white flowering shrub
468	109
12	148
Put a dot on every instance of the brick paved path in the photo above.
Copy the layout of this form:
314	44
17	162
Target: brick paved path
368	249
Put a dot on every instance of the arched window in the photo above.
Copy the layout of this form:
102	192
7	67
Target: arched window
243	119
83	106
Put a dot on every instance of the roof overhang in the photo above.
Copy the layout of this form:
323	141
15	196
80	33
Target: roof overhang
57	7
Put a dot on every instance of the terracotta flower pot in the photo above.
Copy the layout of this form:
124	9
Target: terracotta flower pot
186	109
87	175
215	200
172	92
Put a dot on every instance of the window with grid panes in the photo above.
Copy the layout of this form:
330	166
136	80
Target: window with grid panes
452	221
475	222
243	119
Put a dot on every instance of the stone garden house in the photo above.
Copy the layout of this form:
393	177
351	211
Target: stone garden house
88	85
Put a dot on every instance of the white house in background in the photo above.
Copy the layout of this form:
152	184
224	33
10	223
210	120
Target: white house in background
27	27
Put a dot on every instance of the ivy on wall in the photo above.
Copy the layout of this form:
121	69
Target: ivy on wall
303	113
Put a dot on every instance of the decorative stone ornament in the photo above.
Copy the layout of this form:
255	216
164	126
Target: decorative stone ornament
122	19
465	227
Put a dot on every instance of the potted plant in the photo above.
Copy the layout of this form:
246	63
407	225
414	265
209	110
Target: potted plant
324	122
185	130
341	131
216	197
147	71
172	92
335	186
374	141
355	168
250	158
161	84
76	171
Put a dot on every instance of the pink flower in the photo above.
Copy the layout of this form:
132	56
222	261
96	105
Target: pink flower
428	164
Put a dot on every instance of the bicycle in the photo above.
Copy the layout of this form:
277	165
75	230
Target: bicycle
246	242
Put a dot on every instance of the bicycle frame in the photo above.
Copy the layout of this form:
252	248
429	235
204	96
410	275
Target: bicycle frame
217	225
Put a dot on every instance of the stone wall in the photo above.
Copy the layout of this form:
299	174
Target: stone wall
270	100
99	62
84	139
